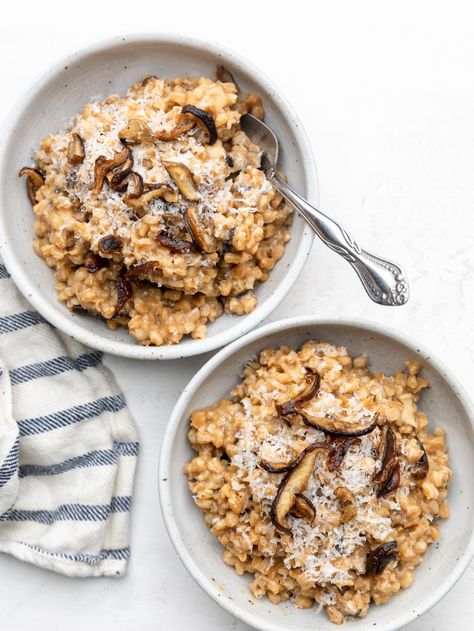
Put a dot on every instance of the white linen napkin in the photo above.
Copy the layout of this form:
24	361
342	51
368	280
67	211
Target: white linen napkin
68	448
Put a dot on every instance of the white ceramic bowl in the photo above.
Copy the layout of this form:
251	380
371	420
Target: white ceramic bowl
102	69
447	406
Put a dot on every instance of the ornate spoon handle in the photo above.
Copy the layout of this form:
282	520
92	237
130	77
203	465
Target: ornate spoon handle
384	281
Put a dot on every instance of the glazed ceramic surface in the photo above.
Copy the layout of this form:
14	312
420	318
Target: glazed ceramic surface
447	406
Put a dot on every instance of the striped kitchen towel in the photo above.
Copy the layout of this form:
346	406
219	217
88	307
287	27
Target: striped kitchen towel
68	448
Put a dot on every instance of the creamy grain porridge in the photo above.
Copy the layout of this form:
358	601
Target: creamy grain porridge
320	478
153	211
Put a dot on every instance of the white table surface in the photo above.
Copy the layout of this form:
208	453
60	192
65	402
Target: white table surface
386	92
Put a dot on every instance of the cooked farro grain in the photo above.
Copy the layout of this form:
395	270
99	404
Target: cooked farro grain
334	559
107	175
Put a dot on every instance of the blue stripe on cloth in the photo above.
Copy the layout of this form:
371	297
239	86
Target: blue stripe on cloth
71	512
95	458
128	449
3	272
20	321
90	559
10	465
54	367
41	424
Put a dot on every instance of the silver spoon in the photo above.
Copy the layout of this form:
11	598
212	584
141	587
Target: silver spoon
385	282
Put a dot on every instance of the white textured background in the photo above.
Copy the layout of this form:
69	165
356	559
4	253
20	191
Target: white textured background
386	92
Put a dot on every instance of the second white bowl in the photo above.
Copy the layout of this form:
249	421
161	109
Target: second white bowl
447	406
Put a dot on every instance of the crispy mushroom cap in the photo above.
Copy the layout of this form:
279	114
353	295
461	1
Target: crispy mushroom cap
201	236
312	383
294	483
387	451
34	181
103	165
117	176
162	192
134	186
339	447
388	478
183	178
204	119
93	262
141	268
136	131
378	559
303	508
276	468
124	292
339	427
75	151
175	245
184	124
225	76
110	243
391	481
328	424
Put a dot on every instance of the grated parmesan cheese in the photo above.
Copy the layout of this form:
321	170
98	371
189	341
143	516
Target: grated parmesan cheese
324	551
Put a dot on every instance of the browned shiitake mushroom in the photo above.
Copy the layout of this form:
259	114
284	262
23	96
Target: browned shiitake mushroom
136	131
327	424
134	183
276	468
225	76
93	262
200	235
284	468
340	445
387	450
103	165
339	427
421	467
184	124
378	559
159	186
294	483
312	382
141	268
175	245
124	292
303	508
34	181
388	478
347	502
117	176
75	150
110	243
183	178
391	481
162	192
204	119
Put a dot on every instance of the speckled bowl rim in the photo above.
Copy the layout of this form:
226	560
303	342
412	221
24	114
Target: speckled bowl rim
243	324
166	454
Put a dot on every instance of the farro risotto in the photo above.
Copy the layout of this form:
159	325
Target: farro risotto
321	478
153	211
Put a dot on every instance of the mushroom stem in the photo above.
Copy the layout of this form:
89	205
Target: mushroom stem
34	181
